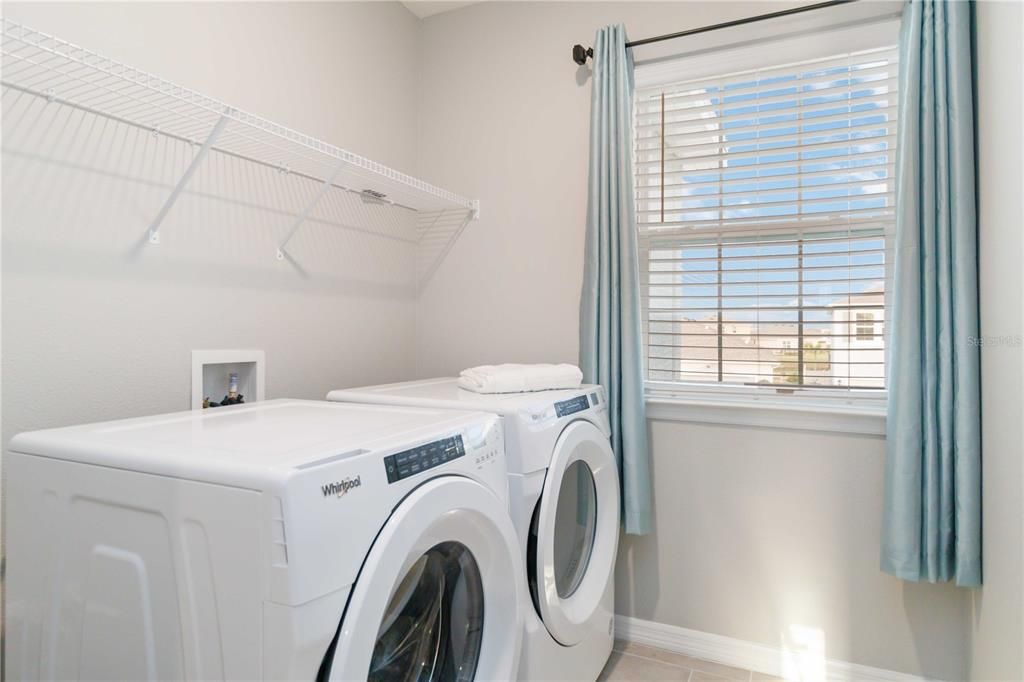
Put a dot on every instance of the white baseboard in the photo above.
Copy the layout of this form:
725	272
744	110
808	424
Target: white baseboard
743	654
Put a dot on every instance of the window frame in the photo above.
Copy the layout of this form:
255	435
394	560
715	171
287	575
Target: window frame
860	409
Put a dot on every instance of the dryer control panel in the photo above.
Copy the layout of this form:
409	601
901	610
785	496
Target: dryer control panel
408	463
577	404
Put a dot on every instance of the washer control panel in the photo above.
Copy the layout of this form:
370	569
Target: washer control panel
402	465
486	456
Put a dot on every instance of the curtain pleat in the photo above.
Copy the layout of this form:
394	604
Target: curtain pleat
932	516
610	343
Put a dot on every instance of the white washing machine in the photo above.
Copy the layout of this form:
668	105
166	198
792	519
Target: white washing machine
280	540
564	501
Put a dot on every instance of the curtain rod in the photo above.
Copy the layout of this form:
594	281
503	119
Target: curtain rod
580	55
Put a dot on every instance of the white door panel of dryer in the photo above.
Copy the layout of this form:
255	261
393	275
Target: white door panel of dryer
445	558
576	532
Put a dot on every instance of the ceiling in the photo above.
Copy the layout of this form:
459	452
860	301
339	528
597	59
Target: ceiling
428	8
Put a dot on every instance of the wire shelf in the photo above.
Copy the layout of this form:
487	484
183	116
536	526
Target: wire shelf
48	67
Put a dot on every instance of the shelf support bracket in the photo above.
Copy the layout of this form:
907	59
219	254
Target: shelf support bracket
471	214
304	216
218	128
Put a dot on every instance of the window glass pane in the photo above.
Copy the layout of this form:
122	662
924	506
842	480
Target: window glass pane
764	201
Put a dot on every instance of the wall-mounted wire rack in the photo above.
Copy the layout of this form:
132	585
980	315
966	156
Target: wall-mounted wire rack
45	66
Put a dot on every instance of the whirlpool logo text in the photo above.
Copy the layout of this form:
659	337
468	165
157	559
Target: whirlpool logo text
340	488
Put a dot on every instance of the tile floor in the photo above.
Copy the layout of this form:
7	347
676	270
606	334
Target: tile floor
635	662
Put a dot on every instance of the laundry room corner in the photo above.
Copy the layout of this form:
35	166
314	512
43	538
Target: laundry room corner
512	341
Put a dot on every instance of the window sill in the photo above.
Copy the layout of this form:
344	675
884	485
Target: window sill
774	413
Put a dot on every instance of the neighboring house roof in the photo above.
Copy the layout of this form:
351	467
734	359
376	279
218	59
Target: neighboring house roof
873	295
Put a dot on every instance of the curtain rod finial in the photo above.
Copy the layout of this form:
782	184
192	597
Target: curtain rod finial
579	54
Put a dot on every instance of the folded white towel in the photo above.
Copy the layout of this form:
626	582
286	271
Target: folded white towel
519	378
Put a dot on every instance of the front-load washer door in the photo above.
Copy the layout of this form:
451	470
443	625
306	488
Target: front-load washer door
575	532
438	597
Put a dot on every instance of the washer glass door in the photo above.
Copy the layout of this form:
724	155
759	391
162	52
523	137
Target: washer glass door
439	595
433	625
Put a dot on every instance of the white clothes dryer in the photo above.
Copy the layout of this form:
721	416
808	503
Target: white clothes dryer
564	501
277	540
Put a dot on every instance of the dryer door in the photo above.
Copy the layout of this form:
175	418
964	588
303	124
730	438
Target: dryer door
575	532
438	597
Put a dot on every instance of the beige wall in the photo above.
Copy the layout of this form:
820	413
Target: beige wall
765	535
998	637
97	325
757	530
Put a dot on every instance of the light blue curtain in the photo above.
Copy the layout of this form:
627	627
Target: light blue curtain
932	515
610	345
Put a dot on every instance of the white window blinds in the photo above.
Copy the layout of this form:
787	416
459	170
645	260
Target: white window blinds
764	204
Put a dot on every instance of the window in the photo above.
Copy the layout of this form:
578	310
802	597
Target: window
865	327
764	208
